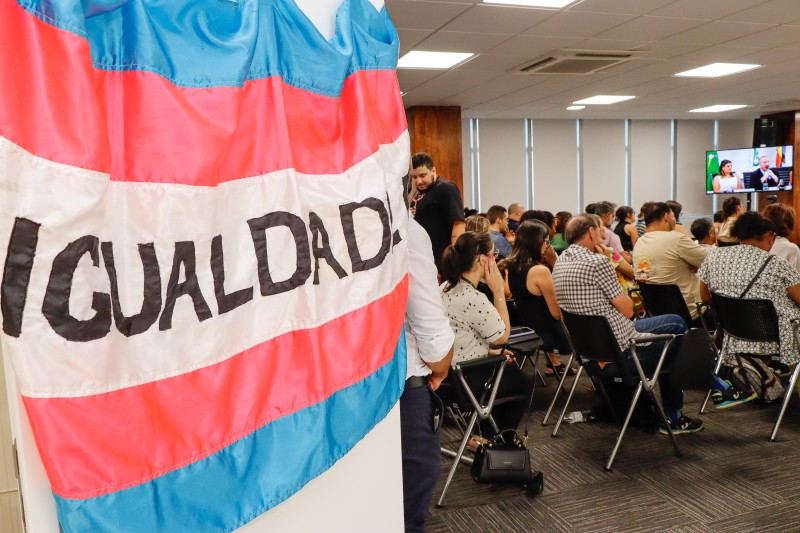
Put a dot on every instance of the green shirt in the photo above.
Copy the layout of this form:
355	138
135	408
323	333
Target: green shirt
558	243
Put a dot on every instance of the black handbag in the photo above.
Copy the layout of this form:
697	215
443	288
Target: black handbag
506	459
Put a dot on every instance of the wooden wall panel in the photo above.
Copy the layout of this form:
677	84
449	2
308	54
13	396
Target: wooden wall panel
437	131
788	126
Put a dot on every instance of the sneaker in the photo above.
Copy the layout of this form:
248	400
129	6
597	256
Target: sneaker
683	425
731	397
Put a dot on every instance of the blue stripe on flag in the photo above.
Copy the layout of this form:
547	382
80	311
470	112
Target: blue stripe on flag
228	489
213	43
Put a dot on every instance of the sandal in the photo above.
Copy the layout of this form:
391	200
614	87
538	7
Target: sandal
475	442
549	370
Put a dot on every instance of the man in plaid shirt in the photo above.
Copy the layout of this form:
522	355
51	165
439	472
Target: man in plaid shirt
586	284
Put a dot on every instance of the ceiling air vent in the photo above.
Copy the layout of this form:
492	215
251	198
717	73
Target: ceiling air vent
575	62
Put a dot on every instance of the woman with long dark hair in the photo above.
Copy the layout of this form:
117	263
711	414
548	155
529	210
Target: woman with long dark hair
731	209
481	327
532	286
743	271
625	229
726	180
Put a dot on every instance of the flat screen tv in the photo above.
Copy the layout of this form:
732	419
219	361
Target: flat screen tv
749	170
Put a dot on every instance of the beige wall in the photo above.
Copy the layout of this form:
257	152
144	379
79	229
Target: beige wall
10	520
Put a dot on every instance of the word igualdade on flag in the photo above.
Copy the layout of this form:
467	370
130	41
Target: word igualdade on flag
202	238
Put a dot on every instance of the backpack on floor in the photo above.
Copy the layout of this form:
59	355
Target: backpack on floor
753	373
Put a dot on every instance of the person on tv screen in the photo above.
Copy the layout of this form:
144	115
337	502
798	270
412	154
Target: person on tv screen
726	180
764	176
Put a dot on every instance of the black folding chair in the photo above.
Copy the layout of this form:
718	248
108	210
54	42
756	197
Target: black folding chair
469	393
592	340
756	320
665	299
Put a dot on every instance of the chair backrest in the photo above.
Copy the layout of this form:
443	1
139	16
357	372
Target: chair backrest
472	382
664	300
753	320
592	337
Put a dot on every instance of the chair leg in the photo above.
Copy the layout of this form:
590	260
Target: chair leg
665	420
785	403
461	448
559	390
569	398
624	426
708	394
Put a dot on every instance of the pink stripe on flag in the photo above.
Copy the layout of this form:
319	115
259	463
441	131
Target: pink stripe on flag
97	444
57	106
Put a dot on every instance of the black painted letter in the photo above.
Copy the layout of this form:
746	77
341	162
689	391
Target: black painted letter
225	302
318	233
56	299
151	305
184	255
17	274
346	213
258	230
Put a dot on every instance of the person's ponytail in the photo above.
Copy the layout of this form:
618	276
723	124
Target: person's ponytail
459	258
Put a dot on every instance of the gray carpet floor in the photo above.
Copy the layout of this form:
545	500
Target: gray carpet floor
730	478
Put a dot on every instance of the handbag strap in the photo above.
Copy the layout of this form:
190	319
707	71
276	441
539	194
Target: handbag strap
760	270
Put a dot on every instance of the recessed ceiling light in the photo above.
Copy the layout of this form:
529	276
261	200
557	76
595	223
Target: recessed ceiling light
716	70
532	3
716	108
417	59
602	99
576	107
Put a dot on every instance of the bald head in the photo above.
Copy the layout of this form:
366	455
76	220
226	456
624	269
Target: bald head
515	211
578	226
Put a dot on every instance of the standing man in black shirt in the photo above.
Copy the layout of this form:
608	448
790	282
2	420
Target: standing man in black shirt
436	205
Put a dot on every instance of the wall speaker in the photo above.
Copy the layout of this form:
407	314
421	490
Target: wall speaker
765	132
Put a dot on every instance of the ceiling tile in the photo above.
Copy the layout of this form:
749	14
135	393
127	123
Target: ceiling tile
635	7
704	9
775	12
711	54
778	36
531	46
423	15
410	38
664	50
509	20
578	24
619	45
718	32
410	78
450	41
493	62
649	28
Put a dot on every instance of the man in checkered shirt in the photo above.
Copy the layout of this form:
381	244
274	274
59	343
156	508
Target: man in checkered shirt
586	284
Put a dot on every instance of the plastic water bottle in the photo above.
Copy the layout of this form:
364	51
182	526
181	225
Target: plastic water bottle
576	417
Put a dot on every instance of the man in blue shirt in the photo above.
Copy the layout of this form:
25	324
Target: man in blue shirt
498	229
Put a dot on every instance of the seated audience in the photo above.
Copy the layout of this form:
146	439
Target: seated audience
480	326
625	229
514	213
549	219
704	233
668	257
606	212
477	223
731	209
783	218
676	210
729	271
640	225
557	242
532	286
585	284
498	229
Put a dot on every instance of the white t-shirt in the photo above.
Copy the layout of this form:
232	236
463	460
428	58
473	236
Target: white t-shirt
475	321
667	257
783	247
428	333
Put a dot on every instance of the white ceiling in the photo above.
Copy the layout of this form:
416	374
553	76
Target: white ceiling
670	35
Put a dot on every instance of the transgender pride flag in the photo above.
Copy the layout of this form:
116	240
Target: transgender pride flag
202	239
